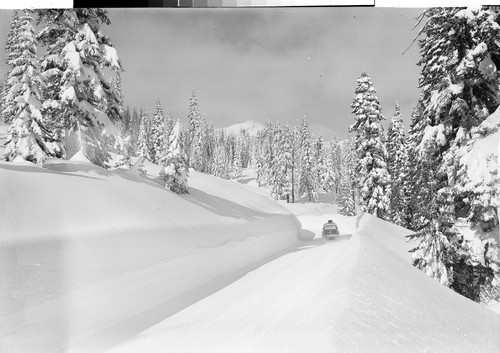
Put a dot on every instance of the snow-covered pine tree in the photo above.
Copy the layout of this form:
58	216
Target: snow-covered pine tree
237	168
280	176
117	108
134	130
175	170
396	159
25	137
478	180
319	156
195	134
122	146
373	180
459	89
12	49
78	95
157	134
347	205
127	119
328	178
308	183
143	138
219	163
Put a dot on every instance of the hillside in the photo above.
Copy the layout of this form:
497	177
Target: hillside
84	248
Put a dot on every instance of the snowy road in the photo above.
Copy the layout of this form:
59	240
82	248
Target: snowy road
354	295
297	293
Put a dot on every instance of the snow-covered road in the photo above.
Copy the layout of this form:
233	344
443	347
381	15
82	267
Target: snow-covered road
353	295
264	310
261	312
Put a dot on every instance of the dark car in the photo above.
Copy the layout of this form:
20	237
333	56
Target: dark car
330	230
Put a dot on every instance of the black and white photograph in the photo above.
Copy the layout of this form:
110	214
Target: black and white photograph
238	177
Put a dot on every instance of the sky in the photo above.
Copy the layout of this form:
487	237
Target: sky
266	63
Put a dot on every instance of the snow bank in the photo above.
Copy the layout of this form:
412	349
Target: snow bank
84	249
358	295
395	307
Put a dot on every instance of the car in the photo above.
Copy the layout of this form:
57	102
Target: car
330	230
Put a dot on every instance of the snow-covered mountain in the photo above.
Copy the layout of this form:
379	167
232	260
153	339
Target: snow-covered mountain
252	127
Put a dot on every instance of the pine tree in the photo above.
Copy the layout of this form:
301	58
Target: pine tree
320	160
333	168
143	138
266	158
308	183
195	134
78	96
134	129
13	52
116	108
127	119
25	136
237	168
175	171
459	90
347	205
396	158
373	178
219	164
157	134
280	176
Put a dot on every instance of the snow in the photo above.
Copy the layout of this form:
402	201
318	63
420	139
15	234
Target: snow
72	57
95	260
69	94
357	295
481	158
110	56
102	247
252	127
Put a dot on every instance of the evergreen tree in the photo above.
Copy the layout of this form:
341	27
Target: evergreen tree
266	159
237	164
78	96
117	109
13	52
308	184
347	206
280	178
134	128
127	120
373	178
332	174
25	136
396	158
143	138
157	135
219	167
195	134
459	90
175	170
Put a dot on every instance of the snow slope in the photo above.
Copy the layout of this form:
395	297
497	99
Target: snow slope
252	127
84	250
357	295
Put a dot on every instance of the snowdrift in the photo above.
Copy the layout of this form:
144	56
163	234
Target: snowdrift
83	249
357	295
395	307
